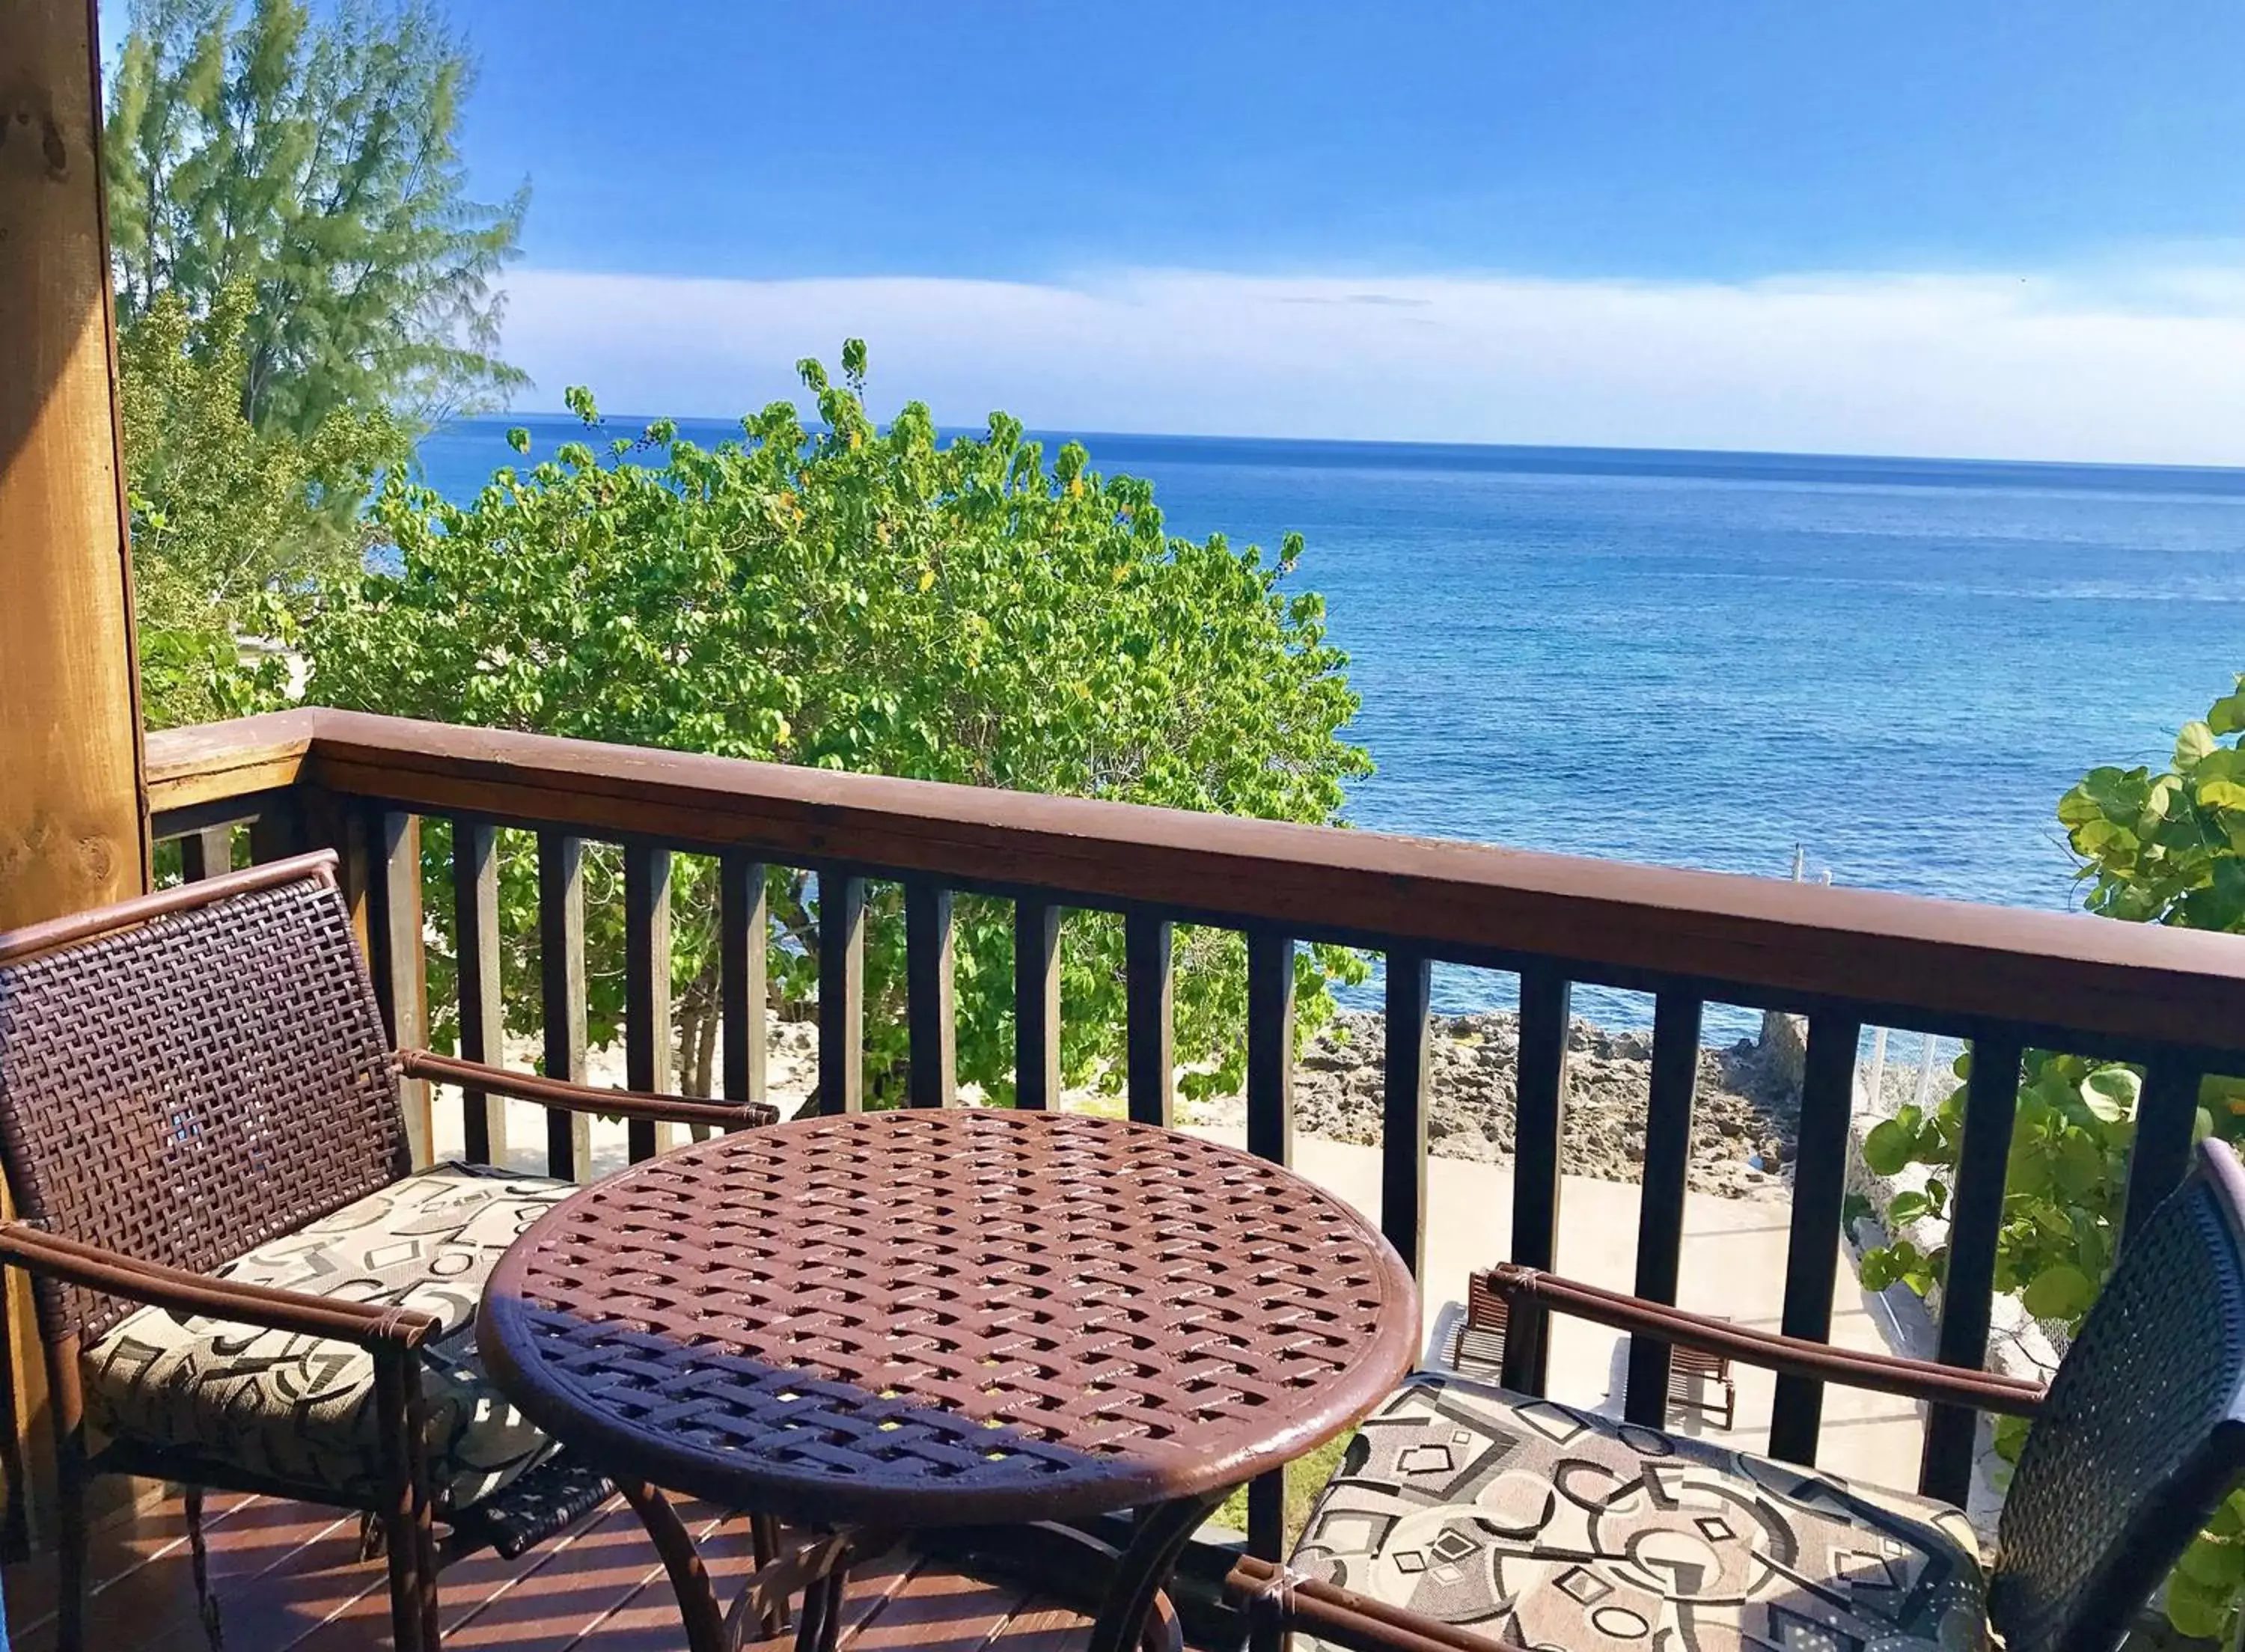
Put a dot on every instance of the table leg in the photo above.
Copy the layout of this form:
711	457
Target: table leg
763	1535
1144	1569
821	1625
690	1579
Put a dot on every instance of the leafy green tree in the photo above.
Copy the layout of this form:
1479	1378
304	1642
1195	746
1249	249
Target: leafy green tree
876	600
231	527
316	162
2167	848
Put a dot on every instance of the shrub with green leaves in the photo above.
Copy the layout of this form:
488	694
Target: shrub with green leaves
232	526
2167	848
880	601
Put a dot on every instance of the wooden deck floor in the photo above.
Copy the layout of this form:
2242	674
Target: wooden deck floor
287	1576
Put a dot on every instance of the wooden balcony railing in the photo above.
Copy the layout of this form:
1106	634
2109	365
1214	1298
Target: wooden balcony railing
2005	979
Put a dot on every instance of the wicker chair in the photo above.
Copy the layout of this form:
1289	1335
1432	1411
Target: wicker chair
1464	1514
240	1282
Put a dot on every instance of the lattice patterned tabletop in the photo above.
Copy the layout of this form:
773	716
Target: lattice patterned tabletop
959	1317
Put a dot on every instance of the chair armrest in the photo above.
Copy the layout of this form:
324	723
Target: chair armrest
647	1105
1289	1601
1885	1373
365	1324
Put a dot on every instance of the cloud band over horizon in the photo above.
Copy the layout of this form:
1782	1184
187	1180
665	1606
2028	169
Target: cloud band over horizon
2035	366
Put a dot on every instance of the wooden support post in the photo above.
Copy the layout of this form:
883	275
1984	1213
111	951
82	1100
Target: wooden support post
1270	1136
841	991
561	983
1406	1081
483	1014
931	1005
399	962
207	853
73	809
1967	1288
1150	1037
1036	1005
1661	1195
647	987
744	930
73	819
1812	1255
1539	1135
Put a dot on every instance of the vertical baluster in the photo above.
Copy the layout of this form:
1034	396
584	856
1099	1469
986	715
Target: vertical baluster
931	1021
336	823
1975	1207
841	991
1270	1136
1820	1169
743	934
277	833
207	853
1151	1036
562	987
482	1021
1271	1046
1660	1197
394	947
1036	1004
1539	1126
647	985
1403	1113
2166	1118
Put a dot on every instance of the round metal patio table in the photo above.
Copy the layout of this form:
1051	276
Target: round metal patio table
881	1322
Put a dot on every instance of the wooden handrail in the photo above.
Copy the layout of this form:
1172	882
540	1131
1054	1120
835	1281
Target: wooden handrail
212	762
2087	983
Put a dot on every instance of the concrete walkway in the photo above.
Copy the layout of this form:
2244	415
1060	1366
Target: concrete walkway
1733	1264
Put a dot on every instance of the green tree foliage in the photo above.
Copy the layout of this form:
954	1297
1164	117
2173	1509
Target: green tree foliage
314	162
231	527
2167	848
876	600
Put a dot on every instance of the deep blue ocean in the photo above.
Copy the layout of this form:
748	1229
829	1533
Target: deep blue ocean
1896	666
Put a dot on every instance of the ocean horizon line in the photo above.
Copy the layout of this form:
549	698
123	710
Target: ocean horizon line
1558	458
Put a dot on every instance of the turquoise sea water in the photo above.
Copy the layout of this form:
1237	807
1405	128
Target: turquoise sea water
1710	658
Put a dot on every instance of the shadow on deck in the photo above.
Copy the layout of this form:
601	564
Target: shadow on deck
288	1575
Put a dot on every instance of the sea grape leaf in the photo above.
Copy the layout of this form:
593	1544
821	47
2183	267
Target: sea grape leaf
1887	1148
2060	1292
2192	744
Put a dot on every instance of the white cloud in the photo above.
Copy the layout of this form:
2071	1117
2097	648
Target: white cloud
2147	368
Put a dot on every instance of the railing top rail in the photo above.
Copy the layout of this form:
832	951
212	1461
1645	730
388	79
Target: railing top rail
2140	984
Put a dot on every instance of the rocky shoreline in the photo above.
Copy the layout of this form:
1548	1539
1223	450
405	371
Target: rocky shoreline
1747	1107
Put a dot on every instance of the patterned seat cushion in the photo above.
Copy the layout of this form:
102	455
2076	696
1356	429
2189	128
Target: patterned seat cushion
1552	1527
300	1410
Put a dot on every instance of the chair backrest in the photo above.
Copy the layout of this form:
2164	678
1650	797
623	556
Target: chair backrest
185	1076
1486	1307
2142	1434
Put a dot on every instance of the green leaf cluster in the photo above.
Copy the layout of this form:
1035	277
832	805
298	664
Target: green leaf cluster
2168	848
232	527
313	161
2164	848
876	599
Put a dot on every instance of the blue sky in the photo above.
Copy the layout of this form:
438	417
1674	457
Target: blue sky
2002	228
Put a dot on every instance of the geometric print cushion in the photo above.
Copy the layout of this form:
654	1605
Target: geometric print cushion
300	1410
1552	1527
